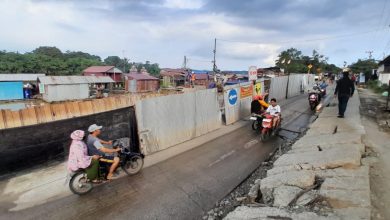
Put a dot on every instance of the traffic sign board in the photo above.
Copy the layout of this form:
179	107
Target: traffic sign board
310	66
232	97
252	72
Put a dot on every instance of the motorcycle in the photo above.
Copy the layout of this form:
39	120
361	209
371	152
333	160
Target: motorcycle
314	97
130	162
268	130
257	121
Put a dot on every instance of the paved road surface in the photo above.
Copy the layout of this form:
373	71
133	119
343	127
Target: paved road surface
183	187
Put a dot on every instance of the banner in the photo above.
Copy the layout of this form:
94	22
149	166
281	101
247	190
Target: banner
258	88
246	91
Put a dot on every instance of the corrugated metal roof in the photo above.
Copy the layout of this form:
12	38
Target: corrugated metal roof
98	69
62	80
12	77
139	76
201	76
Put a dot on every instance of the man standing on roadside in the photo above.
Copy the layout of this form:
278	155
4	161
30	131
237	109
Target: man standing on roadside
344	90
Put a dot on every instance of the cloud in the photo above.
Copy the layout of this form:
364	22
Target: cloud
164	31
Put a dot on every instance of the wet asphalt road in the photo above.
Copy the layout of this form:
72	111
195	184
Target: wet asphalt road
183	187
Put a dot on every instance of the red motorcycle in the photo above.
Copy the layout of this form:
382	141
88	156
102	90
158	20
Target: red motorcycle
268	129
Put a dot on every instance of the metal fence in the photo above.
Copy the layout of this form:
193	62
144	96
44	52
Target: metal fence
238	100
170	120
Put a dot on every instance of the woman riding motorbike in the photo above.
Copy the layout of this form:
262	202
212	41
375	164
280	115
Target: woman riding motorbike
79	159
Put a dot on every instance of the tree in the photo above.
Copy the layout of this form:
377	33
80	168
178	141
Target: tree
48	51
364	66
299	62
113	61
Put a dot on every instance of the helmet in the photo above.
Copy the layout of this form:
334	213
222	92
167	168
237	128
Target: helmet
346	70
257	97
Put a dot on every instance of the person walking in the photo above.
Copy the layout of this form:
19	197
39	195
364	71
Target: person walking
344	90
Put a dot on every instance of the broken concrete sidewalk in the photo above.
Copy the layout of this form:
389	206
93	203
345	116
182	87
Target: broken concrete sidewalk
328	155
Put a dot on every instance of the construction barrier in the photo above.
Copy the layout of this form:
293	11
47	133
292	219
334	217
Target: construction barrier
170	120
60	111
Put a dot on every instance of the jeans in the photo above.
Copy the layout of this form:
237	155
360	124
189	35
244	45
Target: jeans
343	101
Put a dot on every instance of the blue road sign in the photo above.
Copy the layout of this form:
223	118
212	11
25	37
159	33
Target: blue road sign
232	96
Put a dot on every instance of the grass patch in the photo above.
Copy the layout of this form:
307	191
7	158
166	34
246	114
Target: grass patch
376	86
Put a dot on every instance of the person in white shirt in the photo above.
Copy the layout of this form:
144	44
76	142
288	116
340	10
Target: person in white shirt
274	110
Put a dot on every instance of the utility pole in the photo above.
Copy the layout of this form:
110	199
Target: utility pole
370	52
288	75
215	52
185	69
124	61
185	62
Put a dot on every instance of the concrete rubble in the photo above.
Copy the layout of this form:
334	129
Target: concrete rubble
321	177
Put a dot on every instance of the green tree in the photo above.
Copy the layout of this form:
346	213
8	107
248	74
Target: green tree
48	51
364	66
113	61
298	62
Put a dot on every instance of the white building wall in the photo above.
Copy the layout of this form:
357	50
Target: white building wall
55	93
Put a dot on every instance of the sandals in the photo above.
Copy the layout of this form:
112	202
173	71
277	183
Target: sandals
112	177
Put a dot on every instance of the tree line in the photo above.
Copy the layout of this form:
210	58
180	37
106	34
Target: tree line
52	61
293	60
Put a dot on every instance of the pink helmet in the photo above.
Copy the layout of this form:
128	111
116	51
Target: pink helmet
77	135
257	97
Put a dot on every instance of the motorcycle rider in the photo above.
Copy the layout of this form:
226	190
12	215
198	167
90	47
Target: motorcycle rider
258	105
275	111
323	85
96	147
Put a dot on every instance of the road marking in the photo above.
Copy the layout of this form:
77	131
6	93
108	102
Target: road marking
251	143
222	158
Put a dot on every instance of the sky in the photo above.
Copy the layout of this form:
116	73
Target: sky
248	32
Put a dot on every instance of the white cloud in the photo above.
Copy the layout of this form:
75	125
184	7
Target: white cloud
183	4
169	31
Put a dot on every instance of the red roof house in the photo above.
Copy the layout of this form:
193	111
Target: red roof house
141	82
111	71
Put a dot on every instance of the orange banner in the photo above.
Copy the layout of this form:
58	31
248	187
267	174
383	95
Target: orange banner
246	91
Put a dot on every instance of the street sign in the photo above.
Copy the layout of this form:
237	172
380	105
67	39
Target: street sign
258	88
252	72
232	96
310	66
246	91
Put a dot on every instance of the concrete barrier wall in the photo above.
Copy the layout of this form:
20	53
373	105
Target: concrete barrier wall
295	85
241	108
170	120
37	144
278	87
66	110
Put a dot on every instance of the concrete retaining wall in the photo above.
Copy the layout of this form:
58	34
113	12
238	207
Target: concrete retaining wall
32	145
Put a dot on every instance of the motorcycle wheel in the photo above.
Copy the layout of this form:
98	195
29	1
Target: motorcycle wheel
264	136
312	106
255	125
134	165
79	184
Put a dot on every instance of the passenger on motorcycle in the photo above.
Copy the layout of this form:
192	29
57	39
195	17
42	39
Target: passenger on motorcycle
258	105
78	156
96	147
275	111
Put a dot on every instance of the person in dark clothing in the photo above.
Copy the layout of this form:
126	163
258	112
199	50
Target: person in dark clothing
344	90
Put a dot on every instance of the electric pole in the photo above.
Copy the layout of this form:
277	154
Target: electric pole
370	52
185	62
215	52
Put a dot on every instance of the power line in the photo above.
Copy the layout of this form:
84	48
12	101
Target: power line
198	60
307	40
380	20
